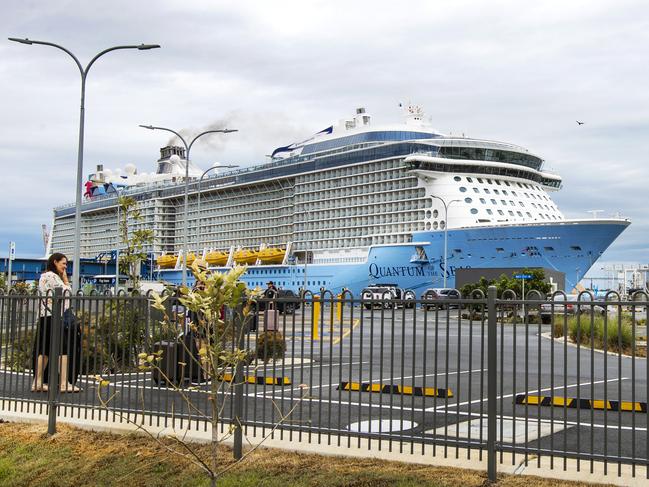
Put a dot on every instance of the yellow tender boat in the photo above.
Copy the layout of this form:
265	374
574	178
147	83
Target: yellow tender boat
246	256
271	256
167	261
190	259
217	257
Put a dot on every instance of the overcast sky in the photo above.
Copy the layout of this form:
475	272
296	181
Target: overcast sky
520	72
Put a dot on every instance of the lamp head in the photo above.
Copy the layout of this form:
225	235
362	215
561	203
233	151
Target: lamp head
150	127
146	47
227	131
22	41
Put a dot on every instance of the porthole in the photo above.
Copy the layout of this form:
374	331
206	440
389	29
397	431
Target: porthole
435	213
457	178
474	211
462	189
468	200
427	225
428	213
442	224
435	225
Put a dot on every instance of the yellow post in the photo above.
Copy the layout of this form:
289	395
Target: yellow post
339	309
316	318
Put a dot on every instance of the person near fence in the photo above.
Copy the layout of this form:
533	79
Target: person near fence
54	277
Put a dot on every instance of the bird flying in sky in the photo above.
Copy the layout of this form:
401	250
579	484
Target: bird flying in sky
580	123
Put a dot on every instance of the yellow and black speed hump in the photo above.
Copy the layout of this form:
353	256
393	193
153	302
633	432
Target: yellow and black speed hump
574	403
394	389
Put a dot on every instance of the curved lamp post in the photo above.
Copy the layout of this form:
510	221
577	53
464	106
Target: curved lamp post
198	197
446	205
188	148
76	266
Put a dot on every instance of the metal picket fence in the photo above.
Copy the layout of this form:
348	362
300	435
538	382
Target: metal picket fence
502	378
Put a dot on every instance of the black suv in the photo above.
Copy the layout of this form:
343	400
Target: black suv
384	294
434	294
287	302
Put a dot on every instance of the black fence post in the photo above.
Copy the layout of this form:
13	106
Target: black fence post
239	325
492	353
53	359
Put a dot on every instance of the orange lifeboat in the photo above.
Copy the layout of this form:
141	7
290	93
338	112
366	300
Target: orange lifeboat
217	257
246	256
271	255
167	261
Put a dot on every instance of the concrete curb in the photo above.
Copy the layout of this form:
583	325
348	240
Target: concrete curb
399	452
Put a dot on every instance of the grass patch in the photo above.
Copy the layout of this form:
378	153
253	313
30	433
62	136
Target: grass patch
609	334
77	458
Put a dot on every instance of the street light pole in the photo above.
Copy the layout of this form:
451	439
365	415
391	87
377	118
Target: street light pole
446	205
76	266
198	197
188	147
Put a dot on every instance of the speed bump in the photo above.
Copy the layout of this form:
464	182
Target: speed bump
574	403
259	379
394	389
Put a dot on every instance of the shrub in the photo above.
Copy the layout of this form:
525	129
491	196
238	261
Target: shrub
618	337
270	345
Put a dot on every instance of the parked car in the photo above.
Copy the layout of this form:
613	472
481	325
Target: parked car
384	296
570	306
287	302
435	294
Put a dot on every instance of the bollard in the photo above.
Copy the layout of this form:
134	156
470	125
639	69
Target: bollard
315	318
339	308
53	360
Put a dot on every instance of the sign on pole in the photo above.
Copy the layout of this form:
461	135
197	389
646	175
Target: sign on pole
12	256
523	276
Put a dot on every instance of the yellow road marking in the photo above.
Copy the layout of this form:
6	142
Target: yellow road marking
347	332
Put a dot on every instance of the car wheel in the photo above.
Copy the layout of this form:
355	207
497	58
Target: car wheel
289	308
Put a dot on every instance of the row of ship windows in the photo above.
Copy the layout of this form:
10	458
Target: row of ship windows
352	242
505	193
324	232
474	211
263	215
350	170
360	221
240	201
373	199
360	210
499	183
391	185
511	203
363	178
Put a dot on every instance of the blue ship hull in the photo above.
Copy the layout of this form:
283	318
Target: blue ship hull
568	247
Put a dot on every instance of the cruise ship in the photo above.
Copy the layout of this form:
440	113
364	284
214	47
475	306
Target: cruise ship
354	205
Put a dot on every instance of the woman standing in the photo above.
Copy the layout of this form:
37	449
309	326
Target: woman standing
54	277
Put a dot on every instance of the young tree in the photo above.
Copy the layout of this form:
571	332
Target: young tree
220	353
133	242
